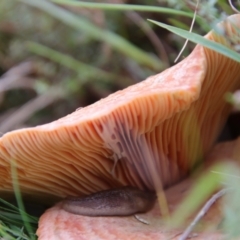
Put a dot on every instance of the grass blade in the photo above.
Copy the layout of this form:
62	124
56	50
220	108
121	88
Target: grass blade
19	200
124	7
201	40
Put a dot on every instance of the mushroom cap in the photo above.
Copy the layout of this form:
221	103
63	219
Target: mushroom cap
159	128
55	223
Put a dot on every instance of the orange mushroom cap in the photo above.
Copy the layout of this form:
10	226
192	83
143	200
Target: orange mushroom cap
56	223
163	125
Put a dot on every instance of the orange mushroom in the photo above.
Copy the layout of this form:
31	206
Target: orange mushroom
158	129
148	134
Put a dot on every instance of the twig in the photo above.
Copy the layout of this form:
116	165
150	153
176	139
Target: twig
17	77
141	220
232	6
24	112
14	82
190	30
202	212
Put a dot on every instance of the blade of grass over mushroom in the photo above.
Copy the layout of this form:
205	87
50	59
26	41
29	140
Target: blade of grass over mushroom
111	38
19	200
201	40
203	189
69	62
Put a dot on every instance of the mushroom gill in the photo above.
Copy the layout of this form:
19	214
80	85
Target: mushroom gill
161	127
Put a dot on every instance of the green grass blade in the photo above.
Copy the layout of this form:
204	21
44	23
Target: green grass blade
13	209
15	221
132	7
4	232
12	232
111	38
124	7
15	216
201	40
19	200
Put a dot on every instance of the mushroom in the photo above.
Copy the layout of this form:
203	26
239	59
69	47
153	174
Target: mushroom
150	134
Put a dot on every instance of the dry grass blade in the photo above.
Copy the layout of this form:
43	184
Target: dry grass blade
28	109
232	6
201	213
18	77
186	42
